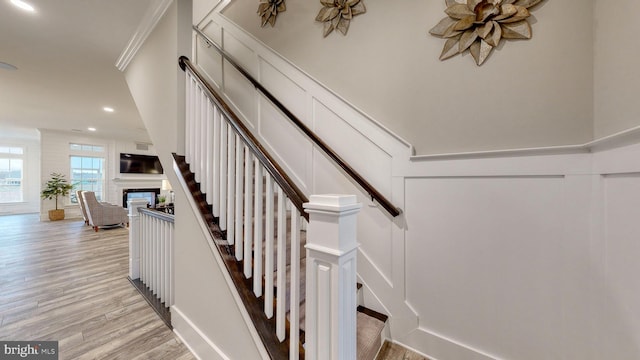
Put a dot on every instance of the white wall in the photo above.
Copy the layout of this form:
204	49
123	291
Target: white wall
531	93
617	78
205	314
29	140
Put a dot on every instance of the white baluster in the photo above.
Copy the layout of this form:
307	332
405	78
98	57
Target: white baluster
257	233
268	238
197	129
294	308
166	264
150	256
202	111
332	246
150	252
248	213
160	258
213	148
281	268
143	249
188	118
231	186
208	134
147	251
171	267
239	198
155	255
221	175
163	261
156	268
205	156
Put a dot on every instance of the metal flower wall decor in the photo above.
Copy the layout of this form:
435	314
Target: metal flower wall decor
337	14
269	10
479	25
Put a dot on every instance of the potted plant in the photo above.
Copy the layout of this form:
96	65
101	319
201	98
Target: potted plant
56	186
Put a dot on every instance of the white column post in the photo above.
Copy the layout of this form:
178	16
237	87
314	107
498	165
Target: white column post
134	236
331	277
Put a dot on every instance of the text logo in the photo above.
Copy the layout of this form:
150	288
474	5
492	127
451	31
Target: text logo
31	350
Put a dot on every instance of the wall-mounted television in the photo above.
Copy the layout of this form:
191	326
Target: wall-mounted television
140	164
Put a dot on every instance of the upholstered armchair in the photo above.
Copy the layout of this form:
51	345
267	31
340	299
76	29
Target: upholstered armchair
83	208
103	214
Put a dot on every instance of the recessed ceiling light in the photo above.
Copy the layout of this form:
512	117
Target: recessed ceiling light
108	109
23	5
7	66
91	129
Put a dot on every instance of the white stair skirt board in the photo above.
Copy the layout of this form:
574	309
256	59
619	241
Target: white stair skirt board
197	342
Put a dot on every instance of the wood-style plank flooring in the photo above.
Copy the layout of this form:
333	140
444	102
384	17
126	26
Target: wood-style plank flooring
61	281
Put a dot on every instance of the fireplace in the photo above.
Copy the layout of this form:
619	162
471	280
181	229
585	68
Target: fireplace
149	194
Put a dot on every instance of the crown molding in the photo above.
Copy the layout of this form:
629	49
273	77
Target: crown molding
147	24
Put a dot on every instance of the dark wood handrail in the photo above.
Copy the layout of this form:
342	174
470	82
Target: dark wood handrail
297	197
370	189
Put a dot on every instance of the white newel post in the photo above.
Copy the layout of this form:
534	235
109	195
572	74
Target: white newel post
331	277
134	236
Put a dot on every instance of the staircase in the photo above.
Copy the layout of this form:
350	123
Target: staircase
370	324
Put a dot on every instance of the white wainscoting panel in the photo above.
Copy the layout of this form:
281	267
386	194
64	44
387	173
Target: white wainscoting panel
241	53
619	283
213	30
241	95
287	91
209	61
295	152
484	261
371	161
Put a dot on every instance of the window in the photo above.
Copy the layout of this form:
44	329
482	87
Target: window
87	173
11	174
86	148
87	169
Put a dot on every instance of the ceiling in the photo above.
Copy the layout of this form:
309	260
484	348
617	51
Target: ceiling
65	53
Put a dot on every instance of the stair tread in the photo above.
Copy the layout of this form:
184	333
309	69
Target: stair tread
380	316
369	339
391	351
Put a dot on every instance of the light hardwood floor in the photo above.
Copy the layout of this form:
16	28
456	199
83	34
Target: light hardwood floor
61	281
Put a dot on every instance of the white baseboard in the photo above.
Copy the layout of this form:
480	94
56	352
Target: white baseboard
193	338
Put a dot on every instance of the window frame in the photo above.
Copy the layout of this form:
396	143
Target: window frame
17	156
83	151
